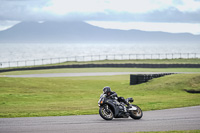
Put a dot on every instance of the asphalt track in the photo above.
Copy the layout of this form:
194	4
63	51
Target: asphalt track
85	74
187	118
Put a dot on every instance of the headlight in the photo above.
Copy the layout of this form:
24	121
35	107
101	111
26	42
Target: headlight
100	101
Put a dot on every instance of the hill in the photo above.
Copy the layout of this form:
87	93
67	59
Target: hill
81	32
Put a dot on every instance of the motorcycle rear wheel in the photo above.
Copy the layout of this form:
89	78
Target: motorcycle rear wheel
136	114
106	114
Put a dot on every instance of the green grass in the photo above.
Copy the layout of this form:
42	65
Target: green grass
185	131
83	70
27	97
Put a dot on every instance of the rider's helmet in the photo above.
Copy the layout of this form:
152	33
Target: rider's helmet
106	89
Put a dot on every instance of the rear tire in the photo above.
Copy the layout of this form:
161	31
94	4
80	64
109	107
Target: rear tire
106	114
136	114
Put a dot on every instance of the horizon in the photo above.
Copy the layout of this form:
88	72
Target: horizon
83	32
148	27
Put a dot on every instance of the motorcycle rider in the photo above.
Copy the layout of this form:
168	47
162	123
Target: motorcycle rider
112	94
108	92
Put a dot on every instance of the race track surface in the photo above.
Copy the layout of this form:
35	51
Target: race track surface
187	118
86	74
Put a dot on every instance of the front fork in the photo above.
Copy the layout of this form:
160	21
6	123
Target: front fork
106	108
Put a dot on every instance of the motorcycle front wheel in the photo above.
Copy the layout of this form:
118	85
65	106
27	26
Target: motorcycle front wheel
105	112
136	114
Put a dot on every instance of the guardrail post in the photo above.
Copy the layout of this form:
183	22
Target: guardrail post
83	58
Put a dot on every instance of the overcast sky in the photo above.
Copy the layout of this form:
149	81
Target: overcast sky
150	15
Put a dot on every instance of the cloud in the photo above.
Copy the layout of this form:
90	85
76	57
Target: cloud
20	10
187	11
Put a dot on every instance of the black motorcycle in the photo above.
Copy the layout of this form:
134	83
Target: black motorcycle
110	108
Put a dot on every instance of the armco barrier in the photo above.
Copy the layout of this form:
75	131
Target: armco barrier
86	58
142	78
128	65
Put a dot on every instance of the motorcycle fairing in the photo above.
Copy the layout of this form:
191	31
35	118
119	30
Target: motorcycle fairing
132	108
113	107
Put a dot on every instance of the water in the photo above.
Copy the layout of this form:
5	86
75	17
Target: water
22	52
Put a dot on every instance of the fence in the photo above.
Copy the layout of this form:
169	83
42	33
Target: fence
98	58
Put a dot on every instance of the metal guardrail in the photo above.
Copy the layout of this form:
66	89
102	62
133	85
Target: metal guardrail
98	58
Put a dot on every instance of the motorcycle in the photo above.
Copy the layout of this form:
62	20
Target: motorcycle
110	108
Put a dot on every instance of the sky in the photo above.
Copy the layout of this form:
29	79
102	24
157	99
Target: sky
175	16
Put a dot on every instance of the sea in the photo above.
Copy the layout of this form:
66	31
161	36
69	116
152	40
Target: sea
16	52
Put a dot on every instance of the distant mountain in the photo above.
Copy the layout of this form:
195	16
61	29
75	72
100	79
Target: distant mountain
81	32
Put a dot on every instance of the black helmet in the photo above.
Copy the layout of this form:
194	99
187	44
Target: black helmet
106	89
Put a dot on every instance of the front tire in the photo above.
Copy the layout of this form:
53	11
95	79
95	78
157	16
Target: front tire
136	114
105	112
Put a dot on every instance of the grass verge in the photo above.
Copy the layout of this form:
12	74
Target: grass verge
139	61
27	97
